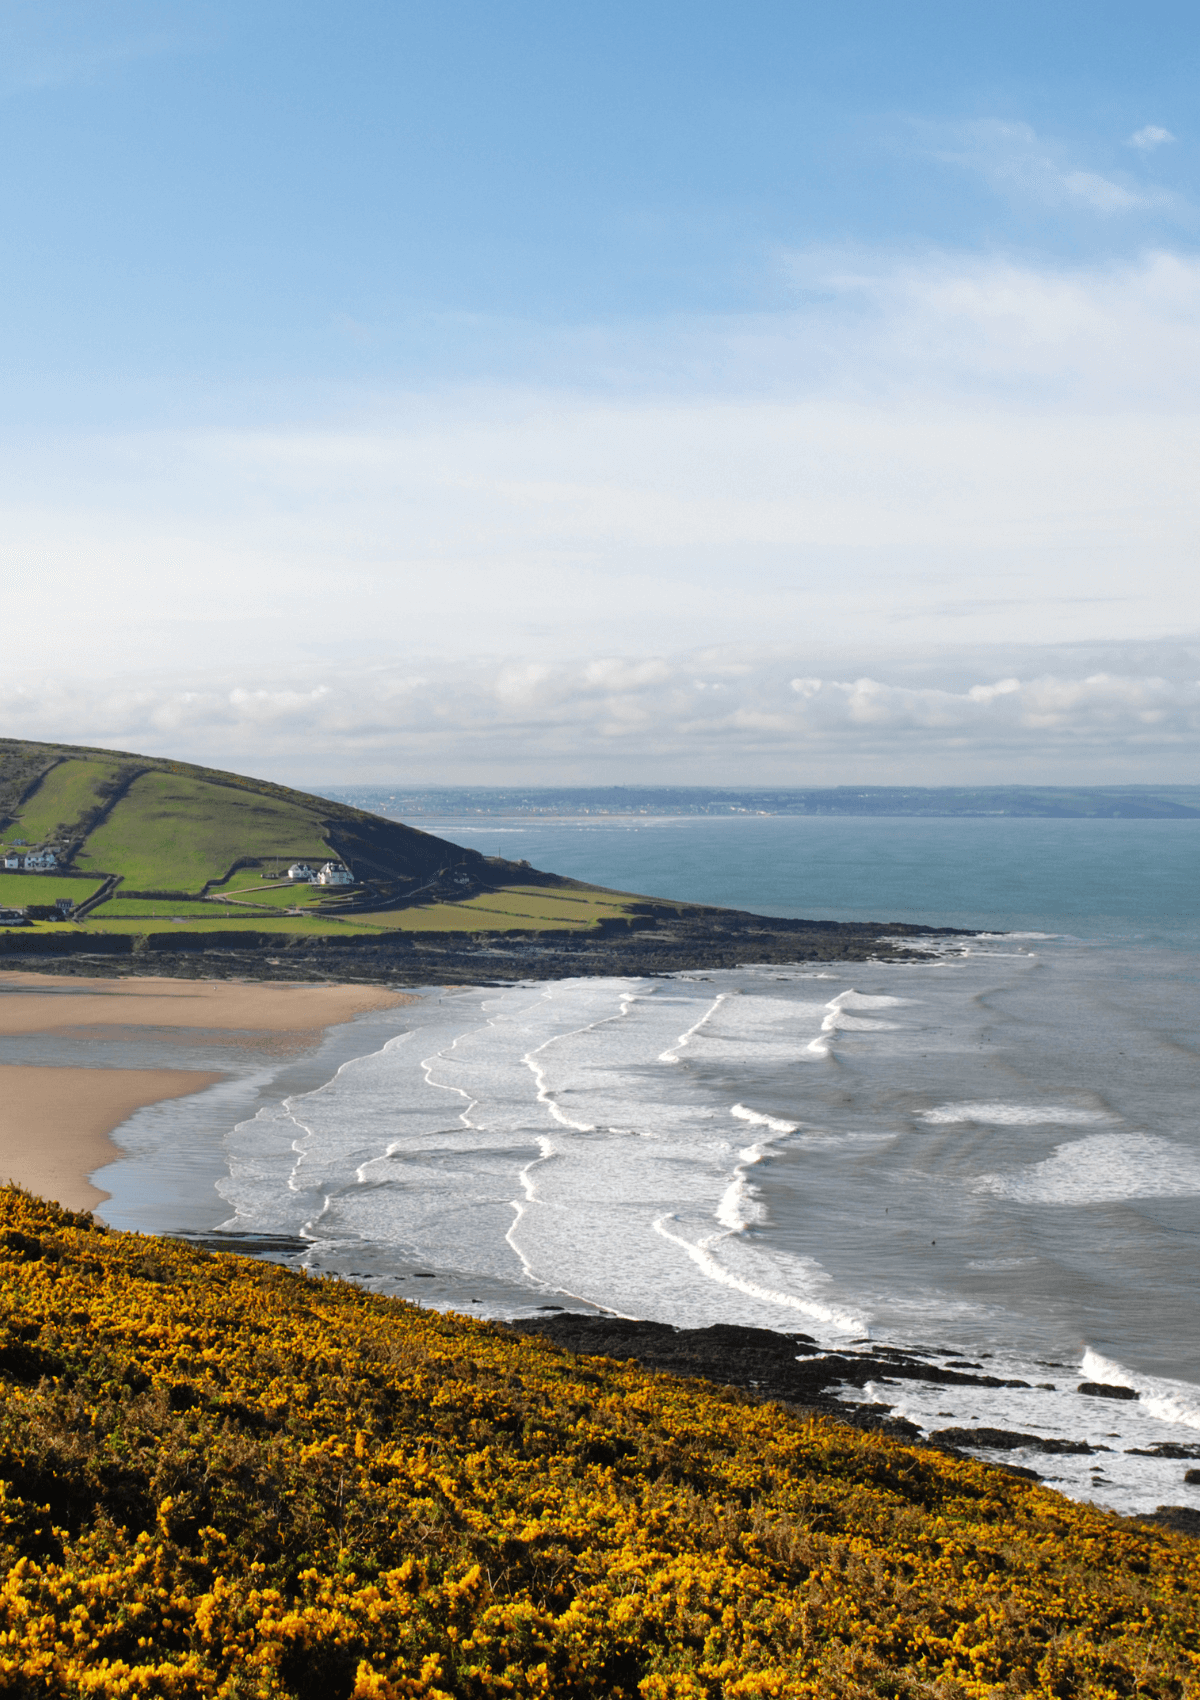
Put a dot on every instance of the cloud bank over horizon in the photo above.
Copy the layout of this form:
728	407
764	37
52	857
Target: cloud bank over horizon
922	461
725	716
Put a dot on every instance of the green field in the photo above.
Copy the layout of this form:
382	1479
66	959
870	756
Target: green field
164	827
176	833
310	926
155	909
20	889
511	909
67	795
519	909
271	896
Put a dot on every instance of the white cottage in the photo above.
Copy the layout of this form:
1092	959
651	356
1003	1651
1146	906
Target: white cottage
40	861
12	860
335	873
301	871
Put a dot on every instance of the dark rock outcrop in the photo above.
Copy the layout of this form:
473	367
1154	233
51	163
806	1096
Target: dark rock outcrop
789	1367
1105	1390
1008	1440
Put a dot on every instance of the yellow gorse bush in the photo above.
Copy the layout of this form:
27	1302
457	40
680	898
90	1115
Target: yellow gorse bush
219	1478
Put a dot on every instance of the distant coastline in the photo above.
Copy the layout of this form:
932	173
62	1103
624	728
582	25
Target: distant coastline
1038	802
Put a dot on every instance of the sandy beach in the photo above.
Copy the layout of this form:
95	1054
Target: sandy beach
56	1122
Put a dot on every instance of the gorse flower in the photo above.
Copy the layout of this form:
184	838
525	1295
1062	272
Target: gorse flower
219	1478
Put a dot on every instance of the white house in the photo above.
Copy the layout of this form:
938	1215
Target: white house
334	873
301	871
13	860
40	860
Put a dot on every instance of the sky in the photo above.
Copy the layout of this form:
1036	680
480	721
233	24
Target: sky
507	392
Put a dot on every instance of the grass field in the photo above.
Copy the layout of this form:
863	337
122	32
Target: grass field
511	909
206	923
273	896
174	828
517	909
20	889
249	882
174	832
66	796
149	908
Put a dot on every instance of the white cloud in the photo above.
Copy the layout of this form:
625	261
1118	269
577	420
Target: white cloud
928	456
1149	137
1014	159
727	716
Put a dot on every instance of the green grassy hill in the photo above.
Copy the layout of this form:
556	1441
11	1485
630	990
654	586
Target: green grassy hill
145	844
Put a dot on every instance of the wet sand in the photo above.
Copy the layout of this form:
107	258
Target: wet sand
56	1122
45	1003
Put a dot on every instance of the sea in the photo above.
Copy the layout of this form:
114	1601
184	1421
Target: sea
991	1154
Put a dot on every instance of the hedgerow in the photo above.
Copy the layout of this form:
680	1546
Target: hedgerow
220	1478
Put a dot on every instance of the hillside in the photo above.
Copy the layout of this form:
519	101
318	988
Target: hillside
177	869
141	843
223	1479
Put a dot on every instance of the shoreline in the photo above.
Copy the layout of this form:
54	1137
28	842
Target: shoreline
57	1120
663	940
75	1112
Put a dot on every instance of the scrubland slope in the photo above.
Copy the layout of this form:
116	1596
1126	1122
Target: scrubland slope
221	1478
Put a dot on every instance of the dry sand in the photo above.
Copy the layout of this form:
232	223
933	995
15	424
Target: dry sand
55	1122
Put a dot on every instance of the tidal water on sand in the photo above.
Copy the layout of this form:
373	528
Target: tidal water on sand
990	1155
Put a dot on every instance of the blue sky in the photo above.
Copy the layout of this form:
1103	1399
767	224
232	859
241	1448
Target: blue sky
660	392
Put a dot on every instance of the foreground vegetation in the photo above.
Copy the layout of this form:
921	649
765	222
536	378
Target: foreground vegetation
223	1479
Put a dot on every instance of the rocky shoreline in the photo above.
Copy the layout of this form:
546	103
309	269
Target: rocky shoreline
660	940
795	1371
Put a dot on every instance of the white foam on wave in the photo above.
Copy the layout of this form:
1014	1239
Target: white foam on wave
1013	1115
700	1252
671	1054
1106	1168
1018	935
757	1119
1170	1401
837	1018
1121	1472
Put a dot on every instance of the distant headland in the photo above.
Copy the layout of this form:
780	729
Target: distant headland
164	867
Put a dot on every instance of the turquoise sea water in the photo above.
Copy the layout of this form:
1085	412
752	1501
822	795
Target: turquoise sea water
1110	879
